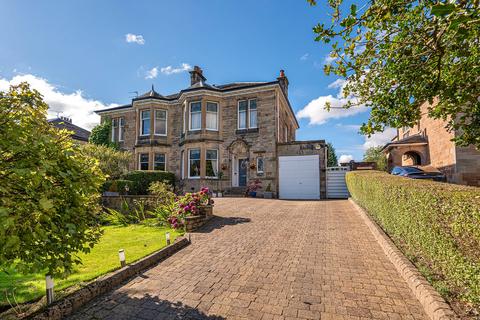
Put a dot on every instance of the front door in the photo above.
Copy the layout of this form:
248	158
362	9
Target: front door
242	172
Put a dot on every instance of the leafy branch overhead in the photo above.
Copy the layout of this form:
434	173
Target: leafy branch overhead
397	54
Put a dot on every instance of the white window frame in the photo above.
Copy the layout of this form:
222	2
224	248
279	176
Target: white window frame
247	115
141	122
188	168
164	160
206	159
258	167
190	116
121	128
250	112
114	126
216	115
184	128
155	123
182	164
238	116
140	161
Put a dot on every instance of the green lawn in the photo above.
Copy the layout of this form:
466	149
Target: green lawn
137	241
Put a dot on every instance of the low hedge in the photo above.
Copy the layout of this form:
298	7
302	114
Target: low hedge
142	179
436	225
118	186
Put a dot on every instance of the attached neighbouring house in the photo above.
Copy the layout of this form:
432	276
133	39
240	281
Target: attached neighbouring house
222	136
429	143
79	134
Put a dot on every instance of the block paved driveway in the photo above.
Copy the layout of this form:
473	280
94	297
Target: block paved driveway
269	259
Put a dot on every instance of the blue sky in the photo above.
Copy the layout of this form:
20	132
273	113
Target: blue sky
77	54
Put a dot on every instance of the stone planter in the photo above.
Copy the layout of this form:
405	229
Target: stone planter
206	211
192	223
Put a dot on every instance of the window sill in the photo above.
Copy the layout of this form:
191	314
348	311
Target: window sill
244	131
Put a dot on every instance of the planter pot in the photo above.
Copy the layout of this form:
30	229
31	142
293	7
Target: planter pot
206	211
253	194
219	195
268	195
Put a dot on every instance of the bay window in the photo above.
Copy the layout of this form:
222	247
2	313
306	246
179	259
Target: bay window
159	162
211	164
194	163
143	161
212	116
161	122
195	115
145	122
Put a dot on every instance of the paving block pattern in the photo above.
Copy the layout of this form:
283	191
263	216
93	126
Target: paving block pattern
269	259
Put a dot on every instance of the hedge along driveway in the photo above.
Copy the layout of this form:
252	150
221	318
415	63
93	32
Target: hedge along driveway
437	225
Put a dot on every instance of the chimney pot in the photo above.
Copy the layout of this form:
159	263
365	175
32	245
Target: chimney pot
196	75
283	81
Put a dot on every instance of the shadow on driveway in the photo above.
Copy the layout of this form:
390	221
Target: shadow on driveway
219	222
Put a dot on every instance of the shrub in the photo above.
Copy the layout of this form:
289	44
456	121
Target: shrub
437	225
113	163
141	180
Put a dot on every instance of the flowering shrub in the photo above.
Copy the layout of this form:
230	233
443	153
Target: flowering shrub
188	205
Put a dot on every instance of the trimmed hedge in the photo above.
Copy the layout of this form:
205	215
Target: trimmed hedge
142	179
118	186
436	225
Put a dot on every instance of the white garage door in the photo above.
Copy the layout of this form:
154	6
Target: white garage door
336	184
299	177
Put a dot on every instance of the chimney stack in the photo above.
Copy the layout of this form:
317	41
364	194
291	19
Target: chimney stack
283	81
196	75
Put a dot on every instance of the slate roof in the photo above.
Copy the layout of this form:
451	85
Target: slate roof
418	138
78	132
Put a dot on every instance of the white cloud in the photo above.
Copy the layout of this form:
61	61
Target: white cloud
136	38
329	59
152	73
344	158
317	114
73	105
352	127
168	70
380	138
304	57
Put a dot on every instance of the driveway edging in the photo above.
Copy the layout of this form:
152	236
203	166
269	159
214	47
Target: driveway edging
67	305
433	304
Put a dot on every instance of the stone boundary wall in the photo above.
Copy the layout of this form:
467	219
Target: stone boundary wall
74	301
433	304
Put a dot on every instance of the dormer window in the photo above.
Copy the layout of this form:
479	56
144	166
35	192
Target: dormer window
161	122
145	123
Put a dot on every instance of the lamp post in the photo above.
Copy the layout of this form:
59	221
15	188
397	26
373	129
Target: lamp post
121	257
167	237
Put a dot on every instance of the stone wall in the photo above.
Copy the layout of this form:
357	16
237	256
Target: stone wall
299	148
468	166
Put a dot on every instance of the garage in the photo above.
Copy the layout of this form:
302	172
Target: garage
336	184
299	177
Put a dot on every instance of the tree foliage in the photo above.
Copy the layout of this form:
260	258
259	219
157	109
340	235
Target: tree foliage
396	55
113	163
48	189
332	160
100	135
375	154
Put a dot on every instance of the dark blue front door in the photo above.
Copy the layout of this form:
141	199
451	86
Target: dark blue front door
242	172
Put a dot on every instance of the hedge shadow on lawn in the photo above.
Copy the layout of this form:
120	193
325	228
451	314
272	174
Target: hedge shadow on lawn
219	222
121	306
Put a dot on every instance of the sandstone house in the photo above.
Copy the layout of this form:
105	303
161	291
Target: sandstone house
221	136
429	143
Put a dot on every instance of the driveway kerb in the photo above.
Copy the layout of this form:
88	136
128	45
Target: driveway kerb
434	305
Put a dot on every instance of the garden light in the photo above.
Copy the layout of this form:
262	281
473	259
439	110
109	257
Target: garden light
167	236
121	256
49	286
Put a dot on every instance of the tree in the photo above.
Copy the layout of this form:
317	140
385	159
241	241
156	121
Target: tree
101	135
49	190
113	163
331	156
396	55
375	154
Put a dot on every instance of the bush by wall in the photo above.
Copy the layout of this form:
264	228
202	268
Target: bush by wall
141	180
119	186
436	225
